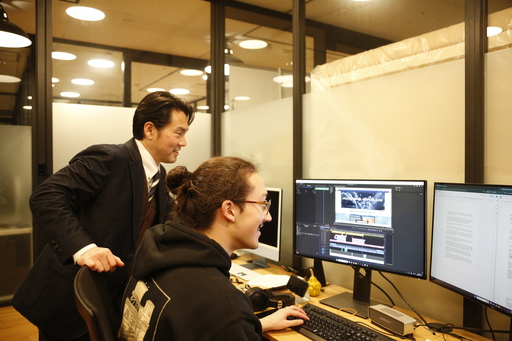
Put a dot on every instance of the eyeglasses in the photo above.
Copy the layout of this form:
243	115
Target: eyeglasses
267	204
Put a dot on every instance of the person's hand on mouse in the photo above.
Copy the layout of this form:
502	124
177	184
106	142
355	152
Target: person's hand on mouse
290	316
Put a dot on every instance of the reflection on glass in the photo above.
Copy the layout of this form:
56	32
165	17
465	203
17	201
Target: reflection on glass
100	67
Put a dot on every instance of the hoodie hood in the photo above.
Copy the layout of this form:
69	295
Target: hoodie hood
172	245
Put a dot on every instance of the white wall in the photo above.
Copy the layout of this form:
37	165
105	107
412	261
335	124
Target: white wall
77	126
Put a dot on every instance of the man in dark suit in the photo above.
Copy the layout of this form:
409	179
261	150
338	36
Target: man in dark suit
93	211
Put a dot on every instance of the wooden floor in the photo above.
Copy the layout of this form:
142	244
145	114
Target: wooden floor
14	327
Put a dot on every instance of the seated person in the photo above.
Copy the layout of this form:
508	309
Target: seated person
180	288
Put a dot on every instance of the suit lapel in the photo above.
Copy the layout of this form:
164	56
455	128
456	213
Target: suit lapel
138	183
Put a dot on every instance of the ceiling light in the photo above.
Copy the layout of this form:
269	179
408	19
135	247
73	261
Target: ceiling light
82	81
85	13
103	63
253	44
178	91
55	80
27	107
242	98
9	79
11	35
63	55
155	89
493	30
286	79
190	72
70	94
208	69
203	107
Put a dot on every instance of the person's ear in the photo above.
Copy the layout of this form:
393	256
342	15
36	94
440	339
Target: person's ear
149	130
228	210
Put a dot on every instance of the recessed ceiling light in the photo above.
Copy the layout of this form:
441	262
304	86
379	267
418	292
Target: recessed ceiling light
253	44
82	81
63	55
190	72
155	89
102	63
286	79
9	79
27	107
55	80
85	13
178	91
493	30
208	69
70	94
203	107
283	79
242	98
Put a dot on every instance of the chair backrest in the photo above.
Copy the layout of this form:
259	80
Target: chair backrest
95	305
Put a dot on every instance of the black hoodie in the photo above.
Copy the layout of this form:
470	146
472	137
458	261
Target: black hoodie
180	290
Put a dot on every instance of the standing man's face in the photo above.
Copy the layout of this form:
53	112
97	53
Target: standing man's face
164	145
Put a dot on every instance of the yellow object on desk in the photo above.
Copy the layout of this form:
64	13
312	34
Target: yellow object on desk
314	285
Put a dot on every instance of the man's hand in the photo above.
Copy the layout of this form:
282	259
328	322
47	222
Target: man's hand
99	259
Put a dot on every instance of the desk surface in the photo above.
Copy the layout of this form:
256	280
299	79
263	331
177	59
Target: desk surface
420	333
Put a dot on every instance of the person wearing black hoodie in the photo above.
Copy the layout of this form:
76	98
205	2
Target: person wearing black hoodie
180	287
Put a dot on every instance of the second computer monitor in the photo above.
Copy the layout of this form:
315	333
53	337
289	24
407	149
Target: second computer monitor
472	242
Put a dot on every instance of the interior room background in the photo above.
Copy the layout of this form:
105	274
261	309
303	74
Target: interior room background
385	99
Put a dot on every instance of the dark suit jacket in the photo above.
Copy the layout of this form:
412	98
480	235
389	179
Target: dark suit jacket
97	198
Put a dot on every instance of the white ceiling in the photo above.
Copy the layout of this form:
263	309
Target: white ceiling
182	28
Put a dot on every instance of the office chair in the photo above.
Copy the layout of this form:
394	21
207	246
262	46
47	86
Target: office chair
95	306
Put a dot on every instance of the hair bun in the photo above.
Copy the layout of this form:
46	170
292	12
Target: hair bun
177	177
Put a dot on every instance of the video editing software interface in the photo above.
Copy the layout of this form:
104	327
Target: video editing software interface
366	223
472	242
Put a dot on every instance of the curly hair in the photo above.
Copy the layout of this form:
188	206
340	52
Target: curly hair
199	194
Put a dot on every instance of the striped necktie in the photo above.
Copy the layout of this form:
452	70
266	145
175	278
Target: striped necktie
152	185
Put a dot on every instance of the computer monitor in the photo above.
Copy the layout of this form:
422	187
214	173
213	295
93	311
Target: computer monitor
270	239
367	224
472	242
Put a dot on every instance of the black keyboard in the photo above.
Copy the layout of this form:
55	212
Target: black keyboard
325	325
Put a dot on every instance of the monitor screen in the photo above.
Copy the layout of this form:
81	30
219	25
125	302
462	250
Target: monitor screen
270	239
368	224
472	242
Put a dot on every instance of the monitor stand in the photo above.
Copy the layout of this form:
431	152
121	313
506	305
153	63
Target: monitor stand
258	262
357	302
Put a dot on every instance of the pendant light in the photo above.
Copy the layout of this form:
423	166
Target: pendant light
11	35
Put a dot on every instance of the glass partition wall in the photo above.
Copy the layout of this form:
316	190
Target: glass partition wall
16	106
372	108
